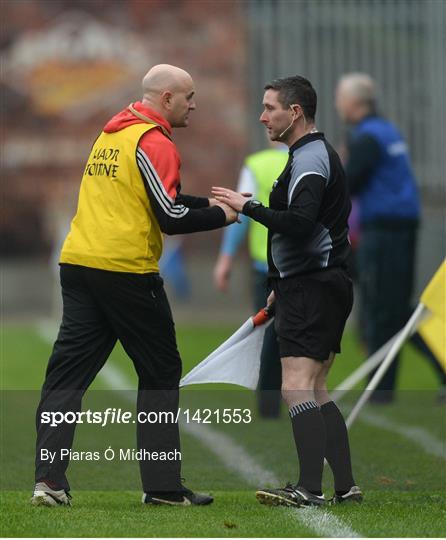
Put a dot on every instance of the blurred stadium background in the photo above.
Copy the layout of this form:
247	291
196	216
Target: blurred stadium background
68	65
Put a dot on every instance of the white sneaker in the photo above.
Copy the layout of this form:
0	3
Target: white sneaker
45	496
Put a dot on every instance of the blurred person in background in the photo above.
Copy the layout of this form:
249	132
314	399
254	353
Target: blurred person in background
111	288
256	177
380	176
308	256
173	268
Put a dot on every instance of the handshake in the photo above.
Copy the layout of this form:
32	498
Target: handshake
230	201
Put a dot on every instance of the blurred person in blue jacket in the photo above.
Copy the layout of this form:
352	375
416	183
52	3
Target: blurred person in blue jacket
257	175
380	175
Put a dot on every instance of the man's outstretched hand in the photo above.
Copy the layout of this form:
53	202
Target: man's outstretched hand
232	198
231	214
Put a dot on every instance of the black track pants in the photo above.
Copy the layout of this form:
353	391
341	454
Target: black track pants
99	308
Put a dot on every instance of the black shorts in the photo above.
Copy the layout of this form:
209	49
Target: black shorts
311	311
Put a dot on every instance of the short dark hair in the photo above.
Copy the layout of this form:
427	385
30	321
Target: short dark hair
297	90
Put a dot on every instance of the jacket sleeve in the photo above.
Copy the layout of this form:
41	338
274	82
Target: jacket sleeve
363	156
173	216
299	220
191	201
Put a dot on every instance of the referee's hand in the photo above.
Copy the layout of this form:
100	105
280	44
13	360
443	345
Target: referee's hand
228	196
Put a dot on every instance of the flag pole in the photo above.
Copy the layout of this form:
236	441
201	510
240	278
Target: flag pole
364	369
396	346
369	365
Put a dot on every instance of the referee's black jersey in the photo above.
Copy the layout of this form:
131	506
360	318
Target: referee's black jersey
308	211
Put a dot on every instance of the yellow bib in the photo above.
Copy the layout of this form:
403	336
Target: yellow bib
266	167
114	227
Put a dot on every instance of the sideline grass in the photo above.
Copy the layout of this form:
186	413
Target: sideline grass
233	514
405	487
114	514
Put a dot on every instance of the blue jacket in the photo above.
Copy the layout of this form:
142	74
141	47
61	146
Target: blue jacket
391	192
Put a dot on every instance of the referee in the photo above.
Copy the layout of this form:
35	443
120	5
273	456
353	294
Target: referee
130	194
308	253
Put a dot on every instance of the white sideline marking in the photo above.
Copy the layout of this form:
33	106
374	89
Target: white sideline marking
232	455
323	523
236	458
115	379
418	435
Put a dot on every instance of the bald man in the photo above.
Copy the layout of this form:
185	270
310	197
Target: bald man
130	194
380	175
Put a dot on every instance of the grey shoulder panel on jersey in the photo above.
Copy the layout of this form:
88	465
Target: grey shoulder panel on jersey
312	158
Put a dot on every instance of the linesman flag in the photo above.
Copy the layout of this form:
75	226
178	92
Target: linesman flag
237	360
433	328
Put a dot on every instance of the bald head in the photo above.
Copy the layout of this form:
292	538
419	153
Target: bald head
169	90
355	96
164	77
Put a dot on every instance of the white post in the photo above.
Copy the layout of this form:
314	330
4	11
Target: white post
403	335
364	369
368	366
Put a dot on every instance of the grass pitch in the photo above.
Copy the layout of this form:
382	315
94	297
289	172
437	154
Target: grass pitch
403	478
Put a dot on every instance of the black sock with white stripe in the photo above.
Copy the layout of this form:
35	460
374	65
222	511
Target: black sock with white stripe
338	448
309	436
